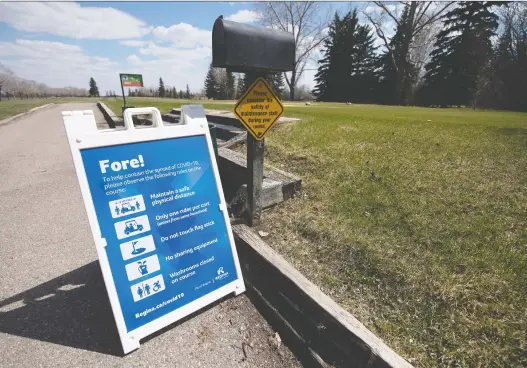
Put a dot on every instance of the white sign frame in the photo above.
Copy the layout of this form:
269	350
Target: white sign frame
82	133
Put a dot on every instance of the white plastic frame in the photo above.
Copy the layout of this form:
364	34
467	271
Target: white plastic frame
82	133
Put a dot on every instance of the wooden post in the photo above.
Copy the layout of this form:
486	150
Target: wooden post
255	166
255	162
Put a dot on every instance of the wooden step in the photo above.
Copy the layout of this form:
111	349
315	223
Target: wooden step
233	171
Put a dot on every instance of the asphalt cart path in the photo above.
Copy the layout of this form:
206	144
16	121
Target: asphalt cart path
54	310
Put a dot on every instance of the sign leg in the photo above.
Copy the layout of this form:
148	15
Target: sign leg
124	98
255	161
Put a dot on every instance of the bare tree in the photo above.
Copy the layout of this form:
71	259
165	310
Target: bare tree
515	16
303	93
16	87
422	46
5	76
21	88
306	21
417	31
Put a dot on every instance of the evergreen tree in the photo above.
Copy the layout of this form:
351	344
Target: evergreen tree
346	72
509	67
276	82
240	87
211	86
187	93
461	52
220	76
326	77
387	91
181	94
174	92
161	90
504	73
230	86
94	90
248	80
363	78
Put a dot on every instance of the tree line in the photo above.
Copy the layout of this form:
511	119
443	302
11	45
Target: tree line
12	86
221	84
478	59
434	54
162	91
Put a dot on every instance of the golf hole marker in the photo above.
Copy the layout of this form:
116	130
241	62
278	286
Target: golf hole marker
158	217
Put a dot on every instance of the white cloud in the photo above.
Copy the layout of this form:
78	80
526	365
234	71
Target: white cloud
179	62
184	35
244	16
133	59
133	43
186	54
375	9
72	20
37	49
182	58
177	66
58	64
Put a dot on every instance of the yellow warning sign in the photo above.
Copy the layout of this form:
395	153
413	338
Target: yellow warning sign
258	109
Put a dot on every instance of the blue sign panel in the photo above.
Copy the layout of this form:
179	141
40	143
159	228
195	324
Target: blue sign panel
157	205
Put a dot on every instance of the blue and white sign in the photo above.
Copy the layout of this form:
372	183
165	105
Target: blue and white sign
159	219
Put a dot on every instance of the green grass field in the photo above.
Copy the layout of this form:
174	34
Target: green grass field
163	104
12	107
414	220
9	108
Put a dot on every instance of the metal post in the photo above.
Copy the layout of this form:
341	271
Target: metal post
212	129
122	89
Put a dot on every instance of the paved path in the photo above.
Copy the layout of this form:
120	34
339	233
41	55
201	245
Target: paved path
54	311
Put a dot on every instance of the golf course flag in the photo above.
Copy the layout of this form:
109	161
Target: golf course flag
131	80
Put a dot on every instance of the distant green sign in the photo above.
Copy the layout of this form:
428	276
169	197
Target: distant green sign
131	80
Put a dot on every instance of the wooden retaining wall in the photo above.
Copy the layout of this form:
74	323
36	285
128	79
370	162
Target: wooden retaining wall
108	114
318	331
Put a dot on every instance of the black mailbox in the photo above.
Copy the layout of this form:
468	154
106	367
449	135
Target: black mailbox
244	48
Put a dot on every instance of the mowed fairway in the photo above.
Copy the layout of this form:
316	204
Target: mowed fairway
163	104
414	220
12	107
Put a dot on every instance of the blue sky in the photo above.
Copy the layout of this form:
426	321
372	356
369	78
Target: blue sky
64	44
